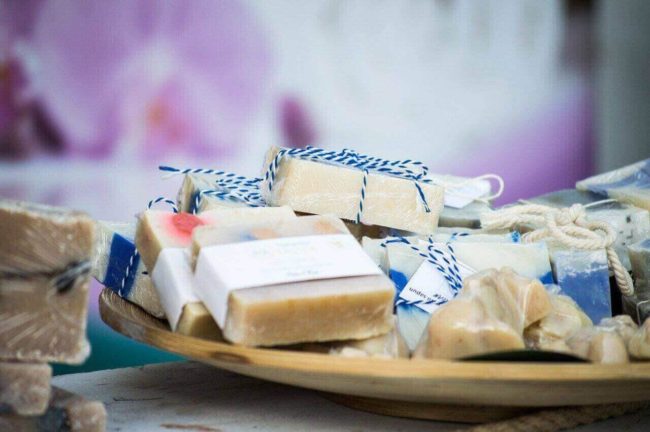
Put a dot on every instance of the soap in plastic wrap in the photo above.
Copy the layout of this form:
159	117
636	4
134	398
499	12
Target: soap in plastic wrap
489	315
629	184
118	266
45	263
320	188
639	254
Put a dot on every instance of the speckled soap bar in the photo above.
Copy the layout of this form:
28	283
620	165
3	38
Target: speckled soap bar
303	310
24	388
321	188
67	412
45	262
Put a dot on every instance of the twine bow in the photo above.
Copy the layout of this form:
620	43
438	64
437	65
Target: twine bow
569	226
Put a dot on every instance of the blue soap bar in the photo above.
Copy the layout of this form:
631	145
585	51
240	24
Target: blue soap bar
584	276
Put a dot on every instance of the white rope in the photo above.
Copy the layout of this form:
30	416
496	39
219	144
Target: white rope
569	226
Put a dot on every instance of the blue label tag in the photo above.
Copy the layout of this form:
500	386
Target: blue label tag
123	255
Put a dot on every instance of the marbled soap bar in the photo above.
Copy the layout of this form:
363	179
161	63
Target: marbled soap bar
632	224
320	188
163	239
629	184
45	263
354	305
639	254
584	276
24	388
489	315
118	266
66	412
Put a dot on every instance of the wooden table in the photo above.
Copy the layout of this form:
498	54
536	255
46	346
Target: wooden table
189	396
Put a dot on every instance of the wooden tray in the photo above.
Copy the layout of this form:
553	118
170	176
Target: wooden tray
430	389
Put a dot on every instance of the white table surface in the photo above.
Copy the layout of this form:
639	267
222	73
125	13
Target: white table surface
189	396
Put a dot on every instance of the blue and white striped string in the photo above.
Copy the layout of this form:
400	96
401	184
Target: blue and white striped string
406	169
164	200
444	261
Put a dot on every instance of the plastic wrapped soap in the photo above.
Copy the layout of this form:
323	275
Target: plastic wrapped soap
118	266
637	306
639	343
45	262
551	332
66	412
291	281
621	324
24	388
489	315
599	345
629	184
324	188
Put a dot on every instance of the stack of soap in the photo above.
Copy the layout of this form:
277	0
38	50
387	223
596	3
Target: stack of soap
118	266
45	263
66	412
163	239
490	314
290	281
324	188
632	224
629	184
639	254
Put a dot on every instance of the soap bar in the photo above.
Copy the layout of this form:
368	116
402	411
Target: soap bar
584	276
639	254
24	388
118	266
551	332
599	345
203	192
467	217
303	309
489	315
66	412
639	343
632	224
45	263
629	184
320	188
163	239
621	324
637	306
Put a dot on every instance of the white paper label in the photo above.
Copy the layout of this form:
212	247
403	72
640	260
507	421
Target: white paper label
172	277
459	197
428	288
221	269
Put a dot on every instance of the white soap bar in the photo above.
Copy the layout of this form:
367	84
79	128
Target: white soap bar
630	184
118	266
322	188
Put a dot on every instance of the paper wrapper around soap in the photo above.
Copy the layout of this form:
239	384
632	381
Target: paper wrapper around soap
319	188
629	184
274	298
489	315
45	263
24	388
162	239
66	412
119	267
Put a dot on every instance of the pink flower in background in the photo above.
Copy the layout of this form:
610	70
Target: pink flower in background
297	127
146	78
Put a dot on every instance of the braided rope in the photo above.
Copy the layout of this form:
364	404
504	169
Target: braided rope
406	169
569	226
560	419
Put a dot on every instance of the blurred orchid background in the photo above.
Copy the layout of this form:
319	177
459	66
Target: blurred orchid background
95	94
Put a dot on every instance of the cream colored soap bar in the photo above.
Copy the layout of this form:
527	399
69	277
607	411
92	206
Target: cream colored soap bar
203	192
45	262
162	237
24	387
356	307
320	188
118	266
67	412
489	315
